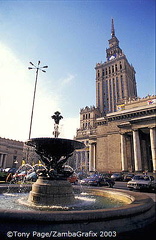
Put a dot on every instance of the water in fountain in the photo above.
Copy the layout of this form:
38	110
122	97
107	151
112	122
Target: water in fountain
83	201
25	168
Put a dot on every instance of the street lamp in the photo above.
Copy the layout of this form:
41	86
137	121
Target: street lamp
37	69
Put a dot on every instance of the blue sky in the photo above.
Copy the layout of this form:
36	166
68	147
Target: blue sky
70	37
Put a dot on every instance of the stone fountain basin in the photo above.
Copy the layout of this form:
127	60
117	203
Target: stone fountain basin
137	213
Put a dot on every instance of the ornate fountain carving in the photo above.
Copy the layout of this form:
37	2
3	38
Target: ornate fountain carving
57	117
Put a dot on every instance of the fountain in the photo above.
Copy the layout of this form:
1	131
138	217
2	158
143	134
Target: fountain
52	188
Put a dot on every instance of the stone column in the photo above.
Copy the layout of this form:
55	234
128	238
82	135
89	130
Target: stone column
90	157
86	159
92	153
1	159
81	159
137	151
77	160
4	161
153	146
144	153
94	157
123	153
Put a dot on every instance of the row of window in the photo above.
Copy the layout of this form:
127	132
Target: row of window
86	116
86	125
109	70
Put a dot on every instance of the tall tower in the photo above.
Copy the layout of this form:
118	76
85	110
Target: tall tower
115	78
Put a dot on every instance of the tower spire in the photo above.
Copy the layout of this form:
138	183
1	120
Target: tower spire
112	29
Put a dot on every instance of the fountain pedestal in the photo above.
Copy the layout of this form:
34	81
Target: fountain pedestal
51	192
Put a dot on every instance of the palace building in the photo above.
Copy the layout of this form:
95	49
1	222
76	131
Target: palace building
120	132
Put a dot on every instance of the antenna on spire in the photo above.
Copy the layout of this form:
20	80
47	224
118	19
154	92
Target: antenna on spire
113	30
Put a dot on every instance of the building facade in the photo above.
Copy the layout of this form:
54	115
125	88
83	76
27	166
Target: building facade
15	153
120	132
126	140
11	153
86	134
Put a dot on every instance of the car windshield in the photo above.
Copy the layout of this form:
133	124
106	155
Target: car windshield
140	178
93	176
31	174
23	172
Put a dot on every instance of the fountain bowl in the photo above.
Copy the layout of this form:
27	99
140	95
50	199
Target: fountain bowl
55	147
136	214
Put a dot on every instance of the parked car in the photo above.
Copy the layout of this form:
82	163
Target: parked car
32	174
98	180
117	176
101	181
12	170
31	177
128	177
18	176
73	178
140	182
153	185
82	175
5	169
85	181
3	175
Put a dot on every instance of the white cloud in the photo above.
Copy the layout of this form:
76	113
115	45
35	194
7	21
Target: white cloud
67	80
16	93
68	127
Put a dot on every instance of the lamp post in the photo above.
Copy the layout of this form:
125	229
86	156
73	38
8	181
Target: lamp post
37	69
